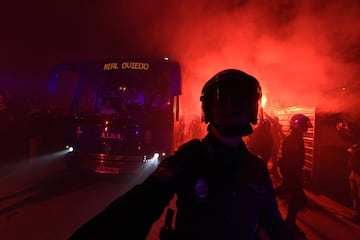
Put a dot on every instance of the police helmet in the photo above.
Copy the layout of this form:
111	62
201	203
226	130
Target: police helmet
235	88
300	121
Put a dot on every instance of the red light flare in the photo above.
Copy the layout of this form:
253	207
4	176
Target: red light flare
301	52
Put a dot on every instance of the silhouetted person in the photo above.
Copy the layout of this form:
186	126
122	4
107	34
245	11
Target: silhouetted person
278	136
349	132
223	190
180	136
354	180
261	140
195	130
291	168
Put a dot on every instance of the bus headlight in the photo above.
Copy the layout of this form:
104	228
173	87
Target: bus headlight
153	159
69	148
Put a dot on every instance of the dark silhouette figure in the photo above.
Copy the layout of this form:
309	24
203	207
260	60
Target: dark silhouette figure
354	180
350	133
195	130
278	136
291	167
261	140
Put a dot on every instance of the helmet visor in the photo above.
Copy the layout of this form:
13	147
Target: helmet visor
232	100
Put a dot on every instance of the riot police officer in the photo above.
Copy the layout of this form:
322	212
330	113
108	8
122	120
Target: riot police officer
223	190
291	166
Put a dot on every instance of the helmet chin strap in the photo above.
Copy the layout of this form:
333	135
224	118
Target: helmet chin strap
231	131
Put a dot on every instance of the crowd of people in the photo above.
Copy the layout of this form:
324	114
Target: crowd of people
190	129
287	165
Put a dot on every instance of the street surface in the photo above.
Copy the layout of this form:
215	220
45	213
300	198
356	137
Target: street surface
43	200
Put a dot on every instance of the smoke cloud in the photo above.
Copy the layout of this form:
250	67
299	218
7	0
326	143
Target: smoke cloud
303	52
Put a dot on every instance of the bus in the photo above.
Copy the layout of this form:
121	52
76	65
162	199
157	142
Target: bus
122	112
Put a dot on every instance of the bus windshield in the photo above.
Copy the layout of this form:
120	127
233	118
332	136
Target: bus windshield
126	88
121	96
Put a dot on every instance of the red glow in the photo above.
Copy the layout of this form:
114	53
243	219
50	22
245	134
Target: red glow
301	51
293	50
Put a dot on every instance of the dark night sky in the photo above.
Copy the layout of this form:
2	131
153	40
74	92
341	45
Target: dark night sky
303	51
